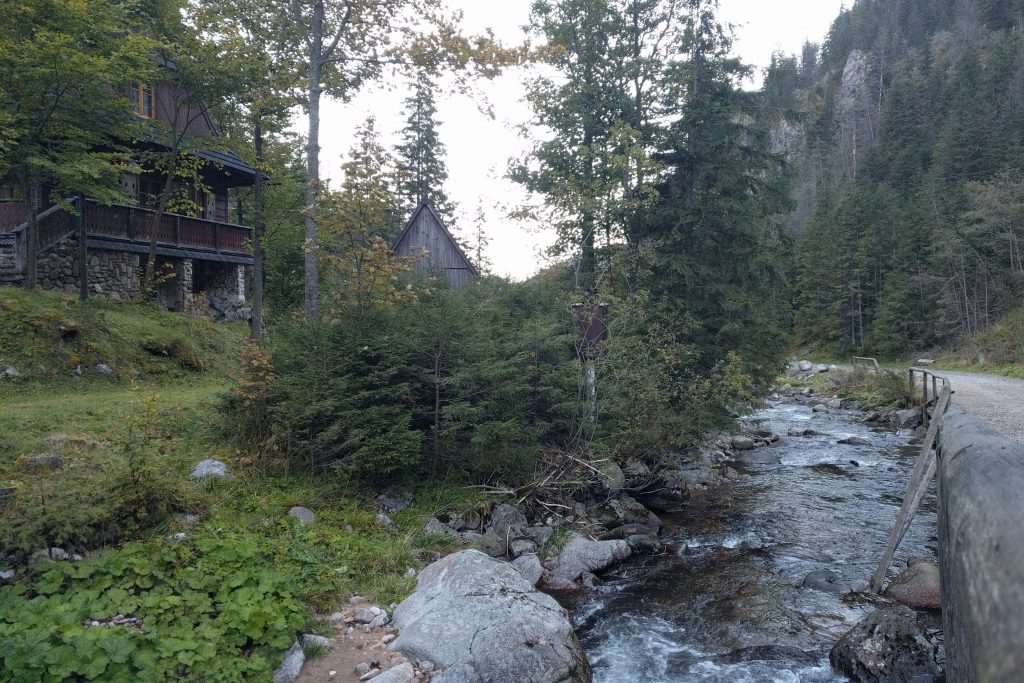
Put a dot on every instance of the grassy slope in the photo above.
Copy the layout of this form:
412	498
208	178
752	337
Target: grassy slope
169	405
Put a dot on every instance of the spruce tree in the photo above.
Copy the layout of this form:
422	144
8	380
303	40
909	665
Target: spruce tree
421	153
718	270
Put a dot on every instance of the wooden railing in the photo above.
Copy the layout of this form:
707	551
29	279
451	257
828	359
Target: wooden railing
924	468
869	363
135	224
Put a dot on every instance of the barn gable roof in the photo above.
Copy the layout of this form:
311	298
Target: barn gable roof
425	205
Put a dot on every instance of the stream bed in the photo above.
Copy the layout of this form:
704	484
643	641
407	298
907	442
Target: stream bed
726	602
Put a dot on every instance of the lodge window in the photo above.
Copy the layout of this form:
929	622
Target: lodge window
141	97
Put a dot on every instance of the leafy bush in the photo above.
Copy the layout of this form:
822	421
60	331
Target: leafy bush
217	610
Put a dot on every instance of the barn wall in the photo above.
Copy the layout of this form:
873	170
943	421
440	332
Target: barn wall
442	253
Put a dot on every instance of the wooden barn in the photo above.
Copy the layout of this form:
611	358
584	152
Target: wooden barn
426	236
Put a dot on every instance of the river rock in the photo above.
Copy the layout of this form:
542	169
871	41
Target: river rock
478	619
612	477
835	404
291	666
762	457
888	645
917	586
908	419
624	510
7	576
820	408
506	520
637	473
530	567
211	469
304	515
488	542
644	544
522	546
801	431
742	443
821	369
827	581
854	441
540	535
436	526
400	673
805	366
583	555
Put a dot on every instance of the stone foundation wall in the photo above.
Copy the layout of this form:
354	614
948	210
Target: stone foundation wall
113	274
8	260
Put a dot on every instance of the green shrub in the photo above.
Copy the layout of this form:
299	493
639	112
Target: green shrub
887	388
118	492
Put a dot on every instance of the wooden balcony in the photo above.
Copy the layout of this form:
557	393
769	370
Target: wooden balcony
128	228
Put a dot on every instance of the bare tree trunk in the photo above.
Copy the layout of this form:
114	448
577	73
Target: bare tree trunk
312	281
437	412
258	228
161	209
31	234
83	251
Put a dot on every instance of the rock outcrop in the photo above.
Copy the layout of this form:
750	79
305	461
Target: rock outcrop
478	619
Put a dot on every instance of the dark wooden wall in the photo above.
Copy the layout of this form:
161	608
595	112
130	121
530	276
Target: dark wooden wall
442	254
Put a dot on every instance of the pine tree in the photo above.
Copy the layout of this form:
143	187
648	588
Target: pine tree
421	153
718	269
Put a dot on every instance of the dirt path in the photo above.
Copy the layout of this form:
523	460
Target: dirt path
998	401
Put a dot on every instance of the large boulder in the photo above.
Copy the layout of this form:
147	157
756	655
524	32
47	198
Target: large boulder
917	586
888	645
582	555
478	619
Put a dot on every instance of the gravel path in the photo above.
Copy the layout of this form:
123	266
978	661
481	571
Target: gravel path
998	401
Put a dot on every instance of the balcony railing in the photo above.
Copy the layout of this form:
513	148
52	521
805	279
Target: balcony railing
132	224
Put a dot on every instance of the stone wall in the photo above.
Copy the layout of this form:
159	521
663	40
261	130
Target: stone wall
175	289
8	259
113	274
225	288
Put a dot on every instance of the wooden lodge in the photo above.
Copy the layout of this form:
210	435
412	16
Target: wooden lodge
427	239
203	253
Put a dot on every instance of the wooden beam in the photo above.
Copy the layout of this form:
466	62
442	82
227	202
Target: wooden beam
981	550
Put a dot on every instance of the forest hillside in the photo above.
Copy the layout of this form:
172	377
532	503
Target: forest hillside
906	130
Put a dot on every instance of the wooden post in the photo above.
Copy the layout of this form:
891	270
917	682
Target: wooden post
83	250
177	230
924	400
910	388
131	224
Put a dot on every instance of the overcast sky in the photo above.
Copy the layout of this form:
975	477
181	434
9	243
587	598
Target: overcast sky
479	147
